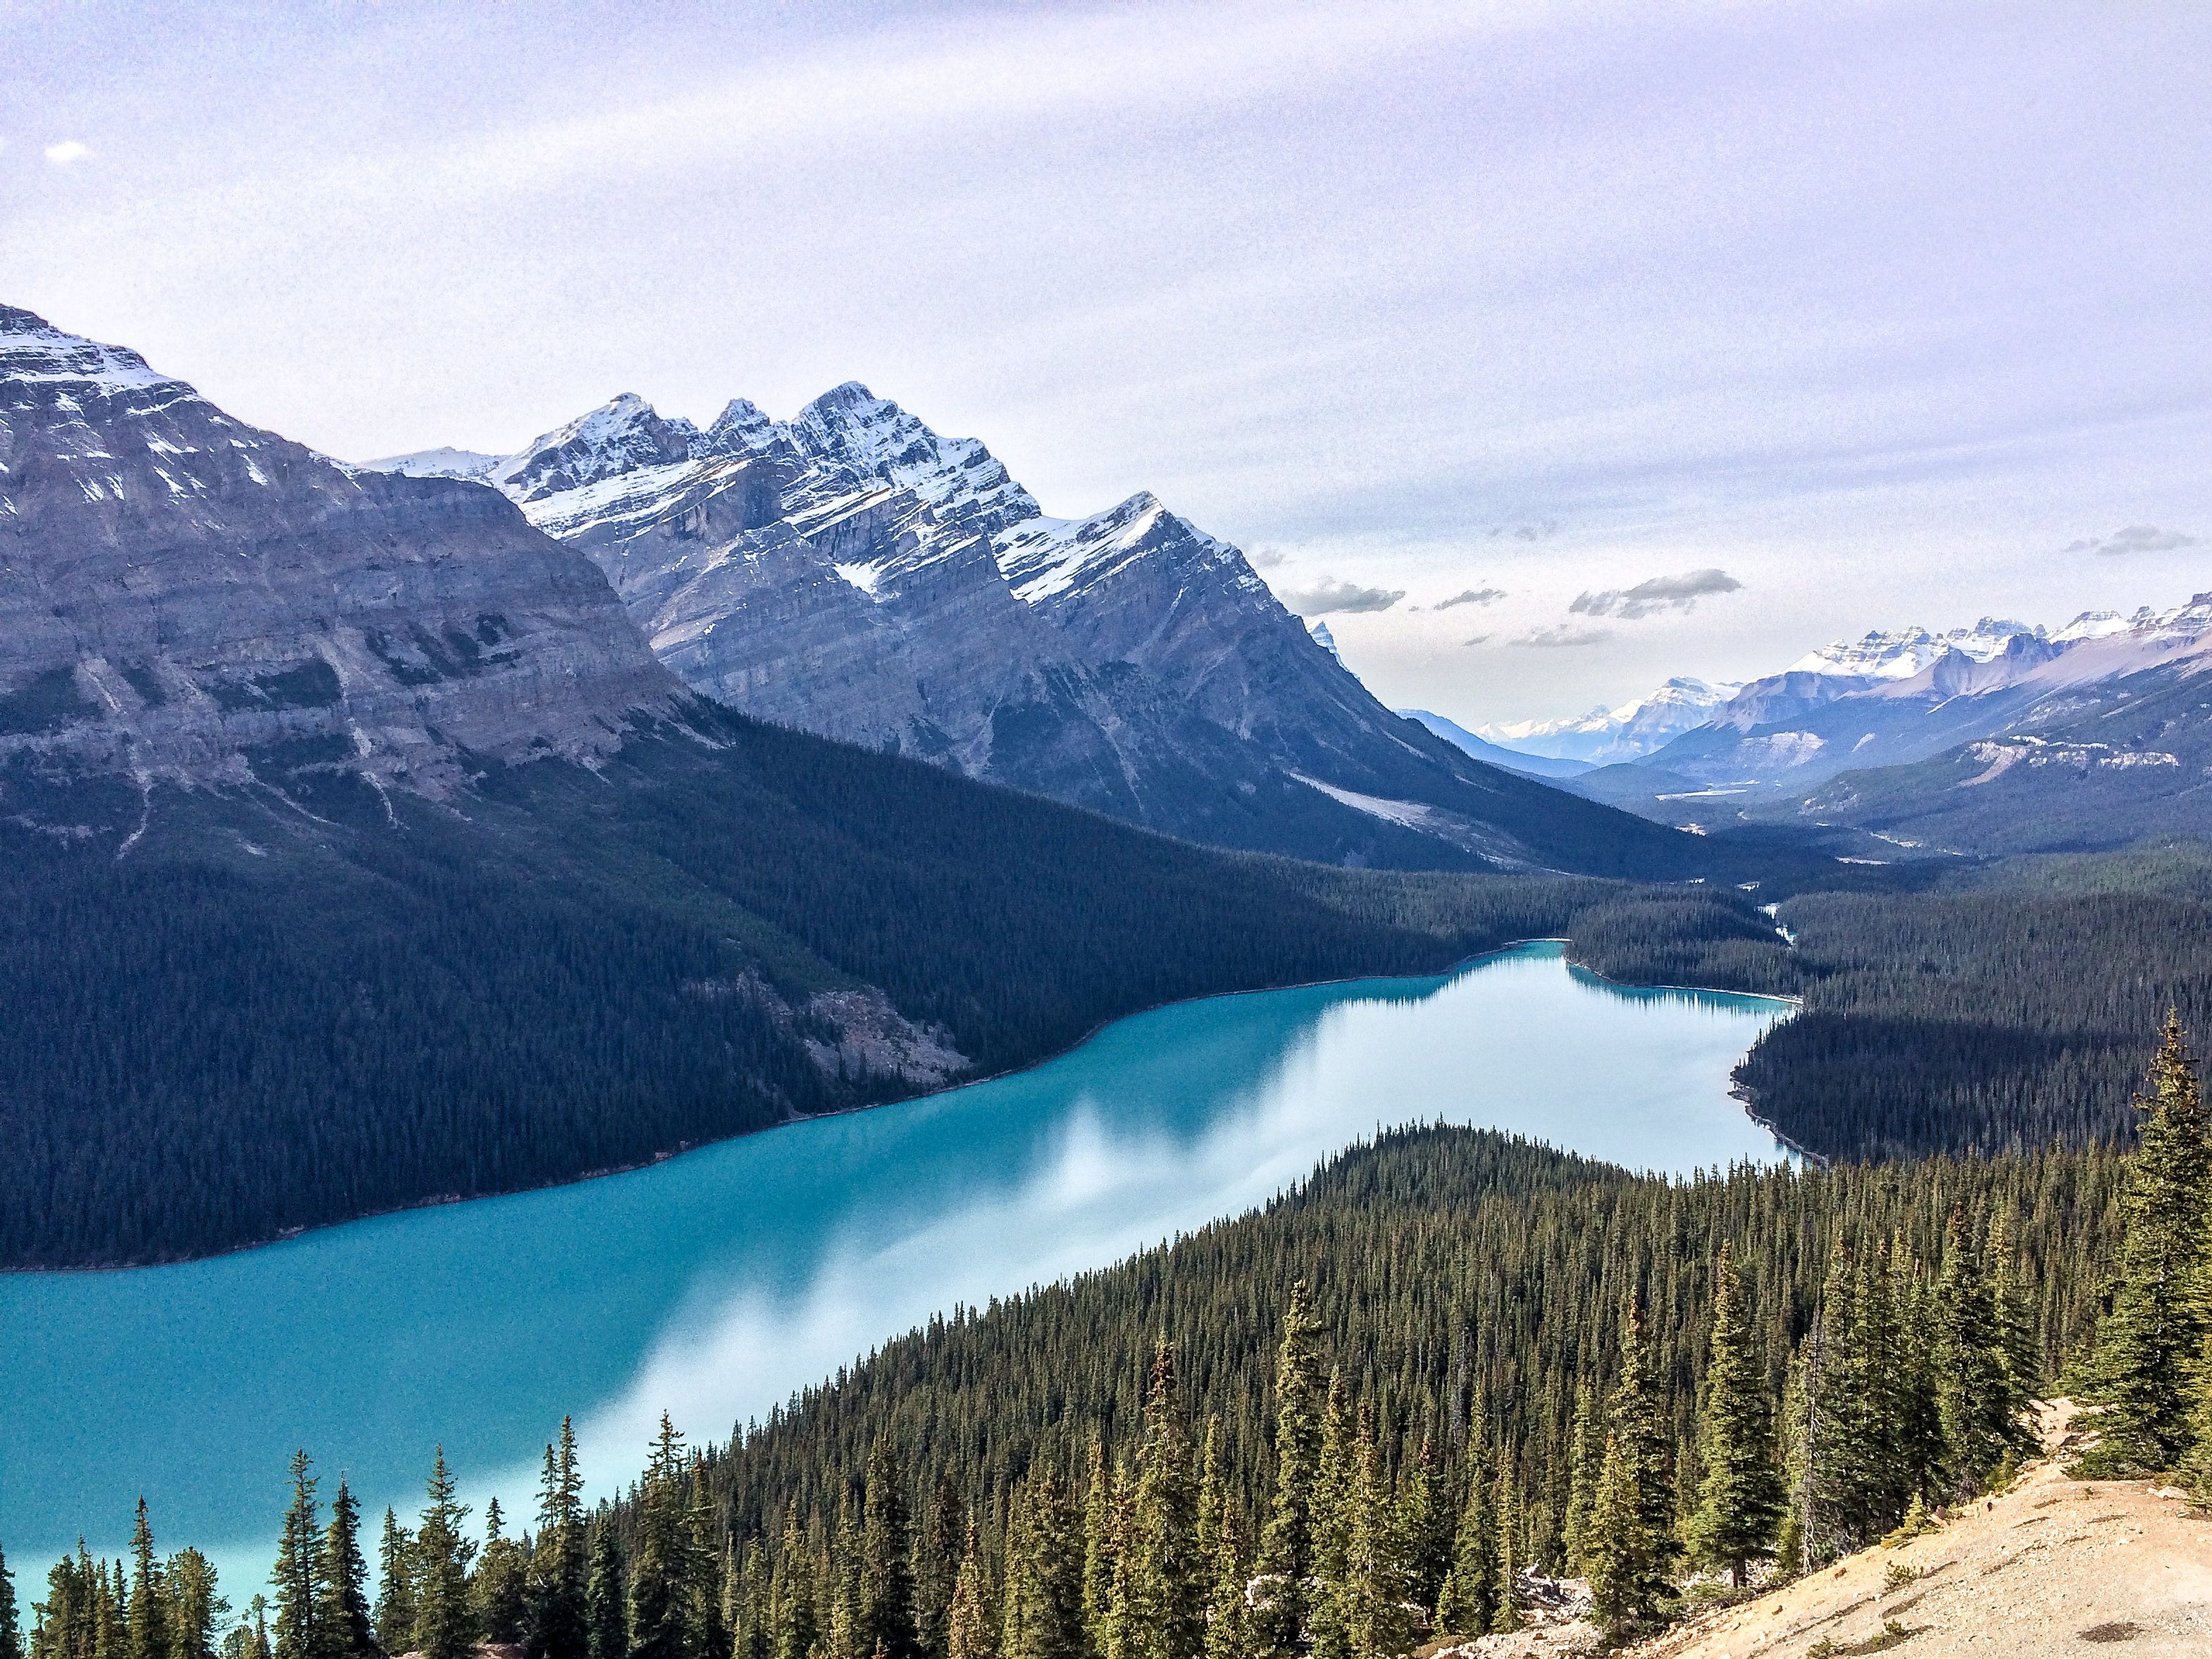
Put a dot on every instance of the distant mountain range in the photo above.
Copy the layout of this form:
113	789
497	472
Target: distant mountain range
852	573
2001	737
1606	735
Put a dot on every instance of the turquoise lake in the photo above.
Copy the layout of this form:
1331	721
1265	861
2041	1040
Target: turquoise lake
715	1284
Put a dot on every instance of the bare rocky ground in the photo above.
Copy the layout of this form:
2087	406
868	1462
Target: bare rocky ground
2052	1567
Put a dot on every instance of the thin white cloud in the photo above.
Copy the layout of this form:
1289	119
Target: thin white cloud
1473	596
1562	637
68	152
1680	592
2134	538
1329	597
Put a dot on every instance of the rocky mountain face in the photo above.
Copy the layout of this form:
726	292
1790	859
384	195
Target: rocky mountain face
852	573
186	598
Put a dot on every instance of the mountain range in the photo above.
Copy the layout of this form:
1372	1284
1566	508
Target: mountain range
852	573
361	850
2000	737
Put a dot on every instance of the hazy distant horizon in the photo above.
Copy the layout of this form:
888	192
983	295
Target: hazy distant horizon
1619	345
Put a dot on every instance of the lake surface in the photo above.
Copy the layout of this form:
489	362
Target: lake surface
715	1285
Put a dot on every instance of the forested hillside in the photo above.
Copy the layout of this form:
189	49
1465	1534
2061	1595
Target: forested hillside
1321	1427
235	1014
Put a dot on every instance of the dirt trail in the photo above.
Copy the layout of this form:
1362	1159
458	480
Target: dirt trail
2053	1566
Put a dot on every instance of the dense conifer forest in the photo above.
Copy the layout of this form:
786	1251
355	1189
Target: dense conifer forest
1355	1419
268	1017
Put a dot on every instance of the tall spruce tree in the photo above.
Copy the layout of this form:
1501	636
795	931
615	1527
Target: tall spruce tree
1044	1572
395	1588
1640	1425
887	1621
1286	1543
937	1564
1616	1549
195	1607
1740	1499
1974	1387
1425	1520
796	1632
2147	1346
443	1626
344	1628
1505	1566
1467	1603
1097	1541
497	1588
1167	1582
1370	1617
660	1554
553	1622
151	1631
970	1631
606	1622
297	1577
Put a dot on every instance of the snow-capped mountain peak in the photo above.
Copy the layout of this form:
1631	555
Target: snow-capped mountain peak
1898	653
1606	735
619	436
33	351
851	427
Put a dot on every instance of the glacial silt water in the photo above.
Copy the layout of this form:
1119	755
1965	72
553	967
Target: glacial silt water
714	1285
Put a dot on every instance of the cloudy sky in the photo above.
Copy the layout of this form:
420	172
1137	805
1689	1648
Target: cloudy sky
1549	349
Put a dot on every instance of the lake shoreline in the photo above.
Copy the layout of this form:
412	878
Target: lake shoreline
445	1200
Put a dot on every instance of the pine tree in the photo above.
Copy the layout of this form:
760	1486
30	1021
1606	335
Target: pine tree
1616	1549
554	1624
1167	1581
1229	1621
150	1633
970	1632
1044	1573
606	1623
1974	1387
443	1628
395	1588
796	1632
1332	1486
938	1567
1586	1440
887	1619
1286	1545
1639	1425
495	1588
841	1588
195	1607
2148	1344
1370	1614
298	1576
1426	1521
660	1576
1740	1499
1212	1494
1098	1564
1467	1603
707	1570
343	1624
1504	1571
